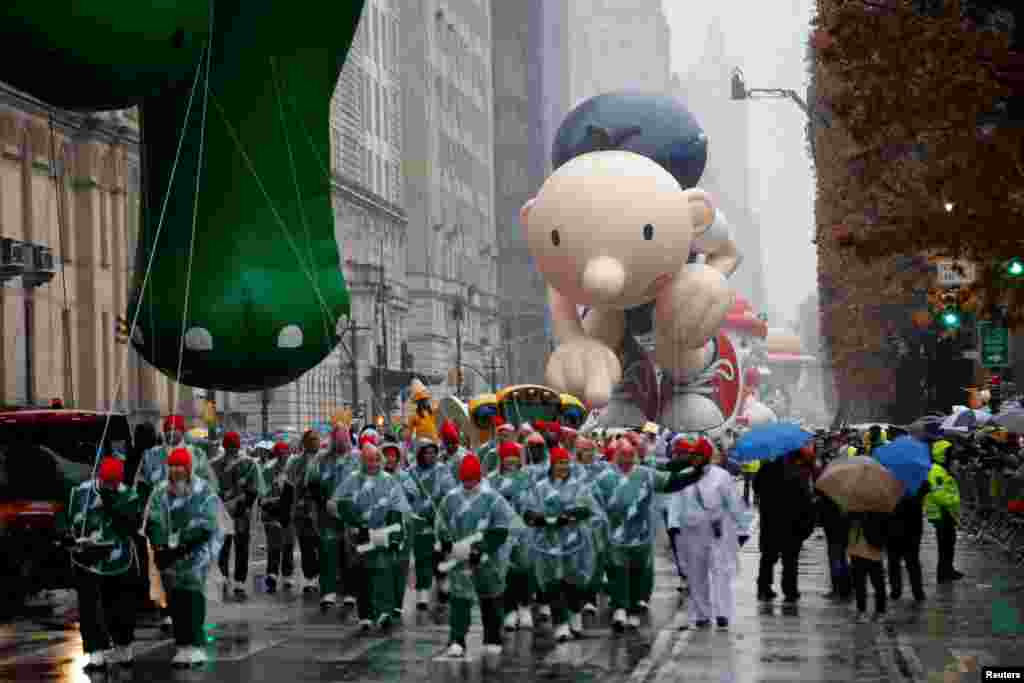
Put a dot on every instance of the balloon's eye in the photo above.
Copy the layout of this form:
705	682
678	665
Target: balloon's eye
555	238
648	232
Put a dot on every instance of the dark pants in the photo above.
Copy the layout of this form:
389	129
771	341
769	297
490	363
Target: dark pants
945	537
280	550
517	590
106	605
309	550
188	613
374	589
905	551
839	567
240	542
786	549
564	598
490	614
629	582
861	569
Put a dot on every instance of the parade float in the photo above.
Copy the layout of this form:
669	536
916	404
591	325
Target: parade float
636	260
781	369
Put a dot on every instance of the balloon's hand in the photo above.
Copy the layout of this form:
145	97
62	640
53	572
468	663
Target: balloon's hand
690	311
585	367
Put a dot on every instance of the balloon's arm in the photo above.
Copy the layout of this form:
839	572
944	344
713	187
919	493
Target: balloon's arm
714	237
565	321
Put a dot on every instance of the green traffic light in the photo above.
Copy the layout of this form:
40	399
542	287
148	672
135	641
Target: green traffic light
1015	268
950	319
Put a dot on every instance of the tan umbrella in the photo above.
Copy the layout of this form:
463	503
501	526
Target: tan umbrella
860	484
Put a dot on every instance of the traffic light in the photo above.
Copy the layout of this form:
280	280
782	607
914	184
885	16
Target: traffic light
995	384
121	330
950	316
1014	268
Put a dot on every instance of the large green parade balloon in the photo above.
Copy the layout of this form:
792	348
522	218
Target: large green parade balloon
244	290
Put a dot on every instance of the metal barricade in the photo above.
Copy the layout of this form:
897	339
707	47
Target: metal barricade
985	495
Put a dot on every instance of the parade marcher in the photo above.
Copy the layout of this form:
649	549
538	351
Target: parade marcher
182	525
787	520
241	483
514	485
536	456
942	507
303	511
867	543
714	525
452	450
323	477
275	511
836	524
368	502
153	469
392	452
429	481
587	466
564	548
475	511
626	494
567	440
588	469
422	422
906	526
491	458
525	429
102	518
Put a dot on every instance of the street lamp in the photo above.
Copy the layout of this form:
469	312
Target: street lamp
458	313
740	91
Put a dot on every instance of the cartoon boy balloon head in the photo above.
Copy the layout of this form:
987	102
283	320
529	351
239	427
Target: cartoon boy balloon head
616	228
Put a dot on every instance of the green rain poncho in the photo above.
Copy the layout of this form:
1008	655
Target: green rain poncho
153	469
323	477
463	514
241	483
371	501
515	487
111	520
275	480
194	519
425	488
303	512
563	553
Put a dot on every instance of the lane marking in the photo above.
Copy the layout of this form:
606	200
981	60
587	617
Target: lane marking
670	670
644	666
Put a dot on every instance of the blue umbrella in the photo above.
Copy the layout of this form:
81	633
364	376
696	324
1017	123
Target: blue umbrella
770	441
909	461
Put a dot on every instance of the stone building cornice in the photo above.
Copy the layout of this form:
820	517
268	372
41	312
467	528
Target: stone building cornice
367	199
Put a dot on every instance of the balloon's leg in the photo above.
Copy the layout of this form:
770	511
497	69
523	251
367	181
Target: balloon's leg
622	411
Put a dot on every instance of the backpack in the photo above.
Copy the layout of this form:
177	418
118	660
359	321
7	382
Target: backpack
875	527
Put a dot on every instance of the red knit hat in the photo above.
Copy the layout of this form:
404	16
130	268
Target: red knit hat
584	444
682	446
469	470
232	440
623	447
111	471
449	432
704	448
175	422
510	449
559	455
535	439
180	457
281	448
368	439
505	427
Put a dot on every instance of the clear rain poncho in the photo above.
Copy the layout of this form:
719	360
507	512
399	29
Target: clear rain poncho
425	488
88	516
186	517
463	514
324	475
241	480
563	553
371	501
711	500
153	468
628	501
303	512
515	487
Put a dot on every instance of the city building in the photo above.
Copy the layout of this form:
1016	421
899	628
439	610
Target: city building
531	72
447	101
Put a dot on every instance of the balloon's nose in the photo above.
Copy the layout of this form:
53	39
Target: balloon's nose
604	278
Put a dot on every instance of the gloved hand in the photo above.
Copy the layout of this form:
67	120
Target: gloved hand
362	536
534	519
565	519
475	555
743	540
446	548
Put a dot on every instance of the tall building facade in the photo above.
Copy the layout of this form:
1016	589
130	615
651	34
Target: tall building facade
531	72
370	227
447	101
705	90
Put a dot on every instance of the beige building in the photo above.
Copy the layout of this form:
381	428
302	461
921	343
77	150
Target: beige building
58	338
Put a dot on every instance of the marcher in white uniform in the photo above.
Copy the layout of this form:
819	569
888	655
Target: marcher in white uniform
713	525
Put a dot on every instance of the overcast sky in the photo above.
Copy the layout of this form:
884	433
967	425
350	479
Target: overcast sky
766	40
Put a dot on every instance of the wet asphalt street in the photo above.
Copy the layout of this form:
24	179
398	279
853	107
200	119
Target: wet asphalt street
284	638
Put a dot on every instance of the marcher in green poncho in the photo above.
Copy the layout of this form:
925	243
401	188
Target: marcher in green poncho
588	469
472	526
372	504
241	483
183	528
627	496
563	549
100	521
514	484
452	450
393	459
275	511
303	510
426	486
323	477
153	469
489	452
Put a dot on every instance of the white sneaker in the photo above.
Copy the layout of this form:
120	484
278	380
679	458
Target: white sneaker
545	612
365	624
329	600
226	587
311	586
590	608
197	656
642	605
619	618
525	618
181	656
349	601
166	624
562	633
422	599
634	622
455	650
97	660
289	583
124	655
511	621
492	650
576	623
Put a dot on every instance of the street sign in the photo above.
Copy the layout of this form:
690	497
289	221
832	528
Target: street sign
994	345
956	273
